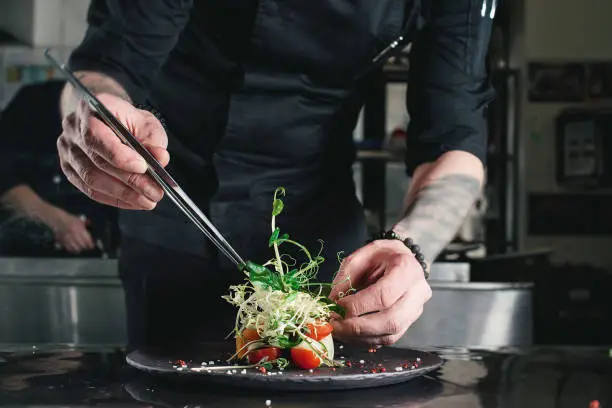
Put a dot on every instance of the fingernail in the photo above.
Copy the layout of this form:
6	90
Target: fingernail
138	166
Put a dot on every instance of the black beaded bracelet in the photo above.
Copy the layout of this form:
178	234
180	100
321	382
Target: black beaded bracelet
414	248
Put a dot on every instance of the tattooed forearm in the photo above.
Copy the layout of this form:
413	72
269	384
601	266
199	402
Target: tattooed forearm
436	213
96	83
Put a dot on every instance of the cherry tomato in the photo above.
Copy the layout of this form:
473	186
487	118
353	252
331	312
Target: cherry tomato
247	336
304	357
272	353
319	331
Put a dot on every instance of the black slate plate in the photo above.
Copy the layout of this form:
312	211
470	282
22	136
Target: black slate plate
399	365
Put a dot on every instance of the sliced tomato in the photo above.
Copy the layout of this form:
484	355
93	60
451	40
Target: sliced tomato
319	331
268	353
304	357
247	336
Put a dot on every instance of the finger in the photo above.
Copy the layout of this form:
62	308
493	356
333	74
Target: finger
361	264
84	238
78	241
95	195
69	244
160	153
140	183
91	180
391	322
384	293
142	124
89	242
97	138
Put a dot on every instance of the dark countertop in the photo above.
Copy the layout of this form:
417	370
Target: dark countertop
98	376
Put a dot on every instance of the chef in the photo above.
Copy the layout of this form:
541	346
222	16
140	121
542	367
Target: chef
238	97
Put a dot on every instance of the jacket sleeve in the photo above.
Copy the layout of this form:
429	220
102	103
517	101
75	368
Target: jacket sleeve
129	40
448	86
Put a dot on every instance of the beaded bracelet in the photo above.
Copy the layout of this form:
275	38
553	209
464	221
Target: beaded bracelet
414	248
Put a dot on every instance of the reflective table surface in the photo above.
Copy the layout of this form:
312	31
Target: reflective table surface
60	375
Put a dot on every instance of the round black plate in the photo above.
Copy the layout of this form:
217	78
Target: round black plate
367	370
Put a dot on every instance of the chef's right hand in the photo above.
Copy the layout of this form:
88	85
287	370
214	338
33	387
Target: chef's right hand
95	160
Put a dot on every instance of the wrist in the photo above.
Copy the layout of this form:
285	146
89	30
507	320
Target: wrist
410	244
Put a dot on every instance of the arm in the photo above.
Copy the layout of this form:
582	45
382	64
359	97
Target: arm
24	202
124	47
448	94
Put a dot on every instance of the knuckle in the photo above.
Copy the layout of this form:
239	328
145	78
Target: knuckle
383	298
99	161
353	328
89	136
428	292
133	180
61	145
377	243
393	326
68	123
88	176
402	260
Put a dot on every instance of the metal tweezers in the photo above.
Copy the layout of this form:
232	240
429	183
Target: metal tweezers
155	169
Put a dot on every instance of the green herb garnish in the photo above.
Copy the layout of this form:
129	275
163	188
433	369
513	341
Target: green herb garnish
280	298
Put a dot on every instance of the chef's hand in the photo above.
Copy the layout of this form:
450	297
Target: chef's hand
95	160
391	292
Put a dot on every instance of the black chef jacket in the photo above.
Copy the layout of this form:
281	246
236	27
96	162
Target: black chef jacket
260	94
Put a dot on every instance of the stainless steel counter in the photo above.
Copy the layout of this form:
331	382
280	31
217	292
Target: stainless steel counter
81	302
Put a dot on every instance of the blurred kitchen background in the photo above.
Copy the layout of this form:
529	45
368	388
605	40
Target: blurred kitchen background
531	265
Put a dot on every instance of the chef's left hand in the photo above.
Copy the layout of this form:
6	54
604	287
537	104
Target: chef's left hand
391	292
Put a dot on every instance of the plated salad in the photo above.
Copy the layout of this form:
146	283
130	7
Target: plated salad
283	315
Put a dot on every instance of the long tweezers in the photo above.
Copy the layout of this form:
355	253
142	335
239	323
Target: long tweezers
155	169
